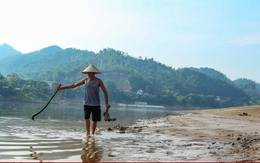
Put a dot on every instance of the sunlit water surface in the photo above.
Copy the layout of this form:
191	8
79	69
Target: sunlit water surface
56	134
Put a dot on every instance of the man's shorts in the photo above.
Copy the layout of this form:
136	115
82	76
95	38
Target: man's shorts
95	110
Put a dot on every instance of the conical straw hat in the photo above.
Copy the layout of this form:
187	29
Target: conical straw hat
91	68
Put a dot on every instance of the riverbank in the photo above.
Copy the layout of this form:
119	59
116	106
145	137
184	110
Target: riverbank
229	134
215	135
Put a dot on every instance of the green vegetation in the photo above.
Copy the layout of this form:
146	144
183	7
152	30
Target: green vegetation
14	88
127	79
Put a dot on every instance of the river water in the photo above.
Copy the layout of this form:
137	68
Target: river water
56	134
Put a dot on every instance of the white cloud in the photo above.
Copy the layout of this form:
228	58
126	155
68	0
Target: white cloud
193	37
248	40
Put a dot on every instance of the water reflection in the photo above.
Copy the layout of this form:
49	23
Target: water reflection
74	113
56	133
33	154
54	149
91	152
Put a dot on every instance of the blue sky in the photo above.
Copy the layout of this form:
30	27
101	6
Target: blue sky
219	34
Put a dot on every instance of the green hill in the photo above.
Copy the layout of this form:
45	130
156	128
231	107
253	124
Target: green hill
125	75
213	73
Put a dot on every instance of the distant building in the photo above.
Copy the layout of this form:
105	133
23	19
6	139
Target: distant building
5	86
218	99
17	89
140	92
12	75
140	103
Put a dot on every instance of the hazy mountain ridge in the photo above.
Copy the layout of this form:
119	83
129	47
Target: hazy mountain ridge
38	61
7	51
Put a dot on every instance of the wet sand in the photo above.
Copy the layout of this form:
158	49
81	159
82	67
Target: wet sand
230	134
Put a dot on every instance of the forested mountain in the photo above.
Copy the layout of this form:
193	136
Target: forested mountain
31	64
7	51
125	75
250	87
213	73
244	81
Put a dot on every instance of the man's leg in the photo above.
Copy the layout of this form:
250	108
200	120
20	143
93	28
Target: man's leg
94	126
87	112
96	116
87	124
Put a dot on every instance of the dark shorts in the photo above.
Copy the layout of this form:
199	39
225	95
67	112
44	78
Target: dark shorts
95	110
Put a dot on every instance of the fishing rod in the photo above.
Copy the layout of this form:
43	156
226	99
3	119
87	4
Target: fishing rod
46	104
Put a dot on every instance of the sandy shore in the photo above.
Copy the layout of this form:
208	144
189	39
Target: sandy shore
230	134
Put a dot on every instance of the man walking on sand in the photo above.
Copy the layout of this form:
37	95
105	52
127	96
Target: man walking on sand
92	104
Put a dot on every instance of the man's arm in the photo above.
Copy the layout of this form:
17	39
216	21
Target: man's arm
102	86
72	85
